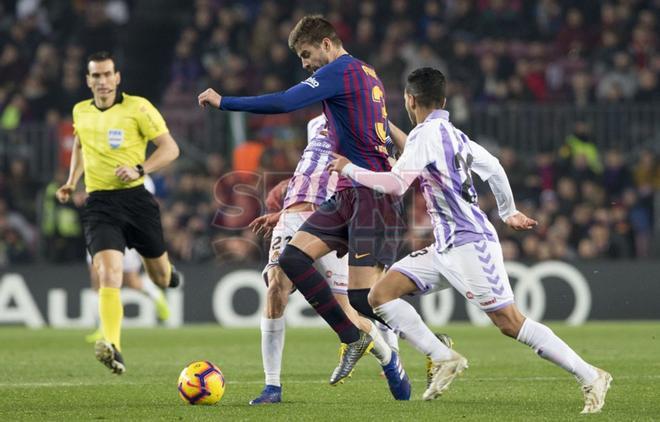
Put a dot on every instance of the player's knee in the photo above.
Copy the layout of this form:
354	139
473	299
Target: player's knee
294	262
109	274
508	330
507	324
376	297
278	283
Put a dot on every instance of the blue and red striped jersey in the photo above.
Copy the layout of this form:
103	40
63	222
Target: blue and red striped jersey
353	102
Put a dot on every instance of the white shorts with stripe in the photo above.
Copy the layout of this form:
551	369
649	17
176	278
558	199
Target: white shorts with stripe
476	270
334	269
132	262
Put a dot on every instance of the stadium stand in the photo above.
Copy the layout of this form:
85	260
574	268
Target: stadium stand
571	107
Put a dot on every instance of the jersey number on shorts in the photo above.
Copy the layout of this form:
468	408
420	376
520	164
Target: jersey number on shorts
463	165
419	253
277	242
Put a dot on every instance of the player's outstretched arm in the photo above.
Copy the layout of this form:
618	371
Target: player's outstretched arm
324	84
489	168
76	168
209	97
388	182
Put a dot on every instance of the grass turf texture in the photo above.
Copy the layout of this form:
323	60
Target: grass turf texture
52	375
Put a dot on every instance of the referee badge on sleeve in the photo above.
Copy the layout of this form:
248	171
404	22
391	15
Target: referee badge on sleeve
115	138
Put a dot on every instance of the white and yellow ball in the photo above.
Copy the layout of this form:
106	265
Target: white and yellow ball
201	382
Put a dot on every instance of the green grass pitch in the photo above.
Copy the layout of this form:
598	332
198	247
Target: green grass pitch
52	375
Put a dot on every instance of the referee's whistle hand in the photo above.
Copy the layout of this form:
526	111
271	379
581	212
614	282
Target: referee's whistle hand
64	193
209	97
127	173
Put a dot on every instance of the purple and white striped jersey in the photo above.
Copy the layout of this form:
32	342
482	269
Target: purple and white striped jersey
447	156
442	157
311	182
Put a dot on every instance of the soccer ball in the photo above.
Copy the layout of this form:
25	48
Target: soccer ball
201	382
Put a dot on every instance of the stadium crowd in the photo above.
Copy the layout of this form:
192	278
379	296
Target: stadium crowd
591	203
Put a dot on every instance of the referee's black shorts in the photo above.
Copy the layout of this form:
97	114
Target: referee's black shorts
115	219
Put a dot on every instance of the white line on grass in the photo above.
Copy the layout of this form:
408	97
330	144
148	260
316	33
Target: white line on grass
129	382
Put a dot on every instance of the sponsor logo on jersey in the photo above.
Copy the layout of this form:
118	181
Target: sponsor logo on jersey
311	81
115	138
488	302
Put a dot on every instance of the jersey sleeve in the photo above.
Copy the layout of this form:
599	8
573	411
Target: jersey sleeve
489	169
484	163
324	84
74	115
150	121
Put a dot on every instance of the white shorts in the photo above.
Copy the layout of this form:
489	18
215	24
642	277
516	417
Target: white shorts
476	270
132	261
334	269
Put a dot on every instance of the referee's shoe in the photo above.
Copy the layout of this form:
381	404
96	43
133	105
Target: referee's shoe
107	354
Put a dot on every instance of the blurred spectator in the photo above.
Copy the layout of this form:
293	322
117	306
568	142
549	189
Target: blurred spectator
61	225
591	201
619	83
580	151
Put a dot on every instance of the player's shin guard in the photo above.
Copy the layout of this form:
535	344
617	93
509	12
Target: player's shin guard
298	266
359	302
402	317
550	347
111	313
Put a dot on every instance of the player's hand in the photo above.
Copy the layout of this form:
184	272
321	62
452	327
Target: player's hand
64	193
265	224
338	163
209	97
127	173
520	221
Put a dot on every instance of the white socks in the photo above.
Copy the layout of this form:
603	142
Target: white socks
547	345
381	350
272	345
389	335
151	290
404	319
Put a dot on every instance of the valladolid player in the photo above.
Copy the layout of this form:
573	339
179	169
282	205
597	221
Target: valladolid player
466	252
310	186
111	134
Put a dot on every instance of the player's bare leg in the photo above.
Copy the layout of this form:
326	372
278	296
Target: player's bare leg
109	267
272	335
162	272
402	317
595	382
297	263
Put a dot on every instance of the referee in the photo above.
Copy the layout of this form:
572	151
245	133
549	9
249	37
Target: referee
111	135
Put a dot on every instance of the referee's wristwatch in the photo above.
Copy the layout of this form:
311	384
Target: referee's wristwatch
140	170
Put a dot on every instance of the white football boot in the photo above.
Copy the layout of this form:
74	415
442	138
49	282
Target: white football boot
444	372
594	393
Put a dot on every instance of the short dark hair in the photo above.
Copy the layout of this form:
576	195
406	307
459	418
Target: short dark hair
101	56
427	85
312	29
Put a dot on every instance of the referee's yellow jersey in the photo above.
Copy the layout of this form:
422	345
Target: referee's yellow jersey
115	136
